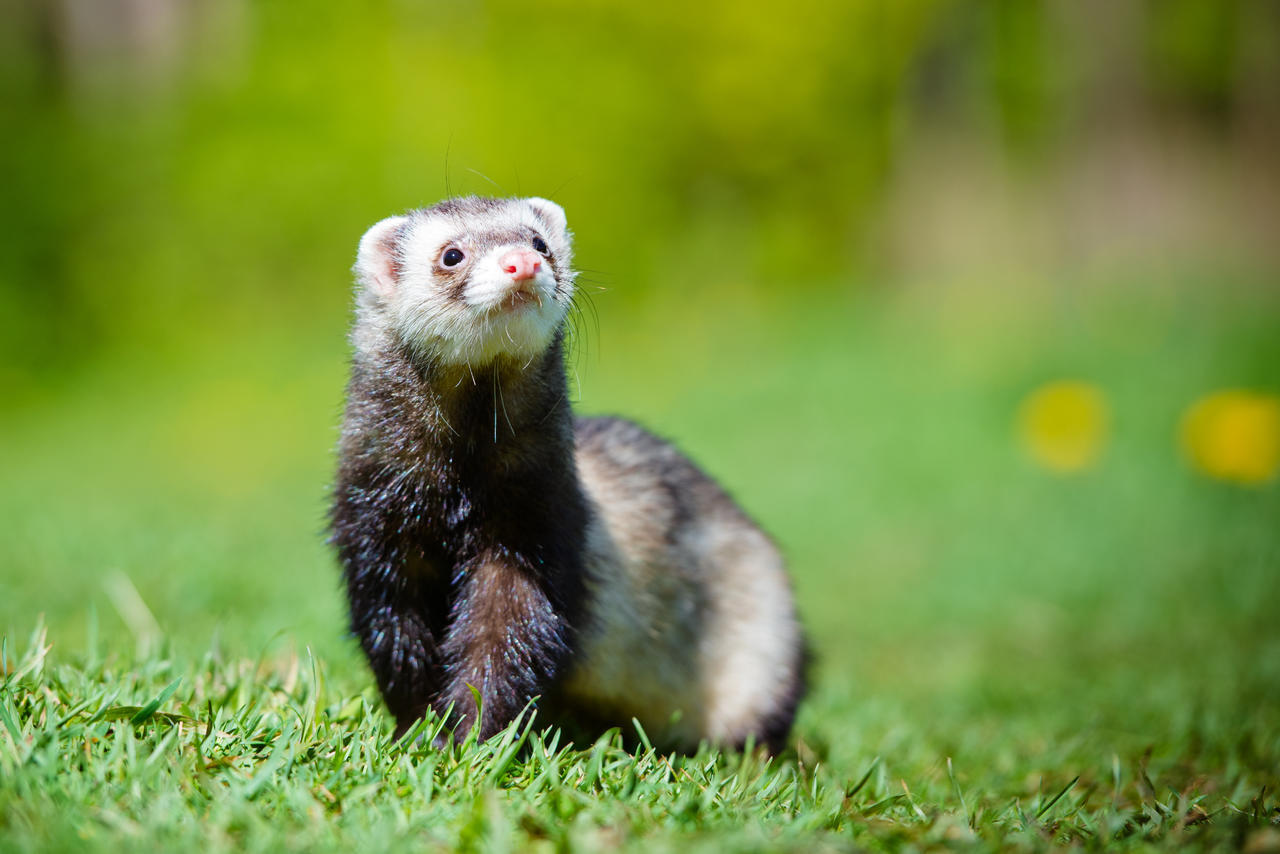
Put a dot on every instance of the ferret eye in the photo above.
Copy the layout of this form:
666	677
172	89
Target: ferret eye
452	257
540	245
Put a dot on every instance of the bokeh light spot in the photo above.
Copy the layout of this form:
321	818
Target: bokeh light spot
1064	425
1234	435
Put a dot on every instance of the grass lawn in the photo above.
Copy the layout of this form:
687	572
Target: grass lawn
1006	657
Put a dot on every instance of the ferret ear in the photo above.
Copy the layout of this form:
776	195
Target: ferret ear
551	213
378	261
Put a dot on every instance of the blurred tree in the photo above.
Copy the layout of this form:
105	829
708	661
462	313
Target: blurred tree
215	163
1017	59
1192	54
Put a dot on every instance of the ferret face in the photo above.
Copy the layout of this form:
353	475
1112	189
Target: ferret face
470	279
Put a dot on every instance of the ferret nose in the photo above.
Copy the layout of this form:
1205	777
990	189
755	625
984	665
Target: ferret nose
521	264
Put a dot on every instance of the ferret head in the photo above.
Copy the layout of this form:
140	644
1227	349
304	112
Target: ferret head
469	279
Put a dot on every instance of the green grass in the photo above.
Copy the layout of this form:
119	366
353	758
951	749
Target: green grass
1005	658
247	756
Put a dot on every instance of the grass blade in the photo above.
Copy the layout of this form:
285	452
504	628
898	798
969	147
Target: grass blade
955	784
1044	809
145	713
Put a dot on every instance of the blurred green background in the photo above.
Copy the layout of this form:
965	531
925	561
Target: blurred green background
830	249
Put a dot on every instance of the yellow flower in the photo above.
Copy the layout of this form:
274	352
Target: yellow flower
1064	425
1234	435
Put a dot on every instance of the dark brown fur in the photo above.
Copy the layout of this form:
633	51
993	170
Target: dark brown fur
458	521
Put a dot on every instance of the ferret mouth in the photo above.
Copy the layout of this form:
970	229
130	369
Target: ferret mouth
517	300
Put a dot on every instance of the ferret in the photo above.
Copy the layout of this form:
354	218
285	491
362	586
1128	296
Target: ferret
494	545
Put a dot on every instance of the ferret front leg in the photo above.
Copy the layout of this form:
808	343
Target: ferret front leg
392	621
506	639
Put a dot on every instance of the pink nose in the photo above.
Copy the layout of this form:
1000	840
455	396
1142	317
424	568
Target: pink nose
521	264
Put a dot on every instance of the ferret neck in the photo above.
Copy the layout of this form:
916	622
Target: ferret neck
498	401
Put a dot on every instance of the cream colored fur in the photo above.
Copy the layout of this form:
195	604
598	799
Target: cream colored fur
696	635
